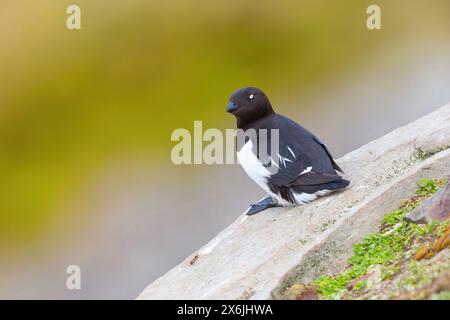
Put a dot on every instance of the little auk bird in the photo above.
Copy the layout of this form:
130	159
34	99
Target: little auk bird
305	169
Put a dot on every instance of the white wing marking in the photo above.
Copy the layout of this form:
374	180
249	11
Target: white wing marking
283	160
308	169
292	152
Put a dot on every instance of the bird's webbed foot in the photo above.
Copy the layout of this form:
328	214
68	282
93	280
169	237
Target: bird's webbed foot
261	205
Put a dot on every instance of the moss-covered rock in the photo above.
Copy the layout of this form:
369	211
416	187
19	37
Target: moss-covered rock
399	261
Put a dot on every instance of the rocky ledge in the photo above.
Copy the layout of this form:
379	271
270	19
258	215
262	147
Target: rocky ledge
273	254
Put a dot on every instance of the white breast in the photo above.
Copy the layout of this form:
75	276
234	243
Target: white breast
257	172
260	174
252	166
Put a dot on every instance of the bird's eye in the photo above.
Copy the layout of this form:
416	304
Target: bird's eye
250	97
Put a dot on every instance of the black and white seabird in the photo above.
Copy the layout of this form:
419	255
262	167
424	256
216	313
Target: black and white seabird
305	167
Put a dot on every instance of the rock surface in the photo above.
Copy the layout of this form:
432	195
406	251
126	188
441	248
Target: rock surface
251	258
436	208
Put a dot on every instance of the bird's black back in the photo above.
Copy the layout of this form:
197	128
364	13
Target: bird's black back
309	150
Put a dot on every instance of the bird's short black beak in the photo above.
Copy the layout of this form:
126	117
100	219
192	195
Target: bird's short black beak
231	107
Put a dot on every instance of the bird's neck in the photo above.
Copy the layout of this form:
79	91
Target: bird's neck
245	124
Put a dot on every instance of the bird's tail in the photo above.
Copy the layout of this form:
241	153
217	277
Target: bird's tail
335	185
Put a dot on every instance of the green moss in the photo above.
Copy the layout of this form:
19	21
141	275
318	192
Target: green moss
394	217
444	295
303	241
388	272
360	285
385	247
442	228
417	276
326	225
427	186
421	155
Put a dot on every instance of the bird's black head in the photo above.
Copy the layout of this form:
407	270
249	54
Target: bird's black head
249	104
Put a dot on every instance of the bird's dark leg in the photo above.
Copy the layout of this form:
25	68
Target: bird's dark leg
262	205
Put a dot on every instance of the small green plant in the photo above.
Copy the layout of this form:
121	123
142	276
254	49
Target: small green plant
442	228
427	186
444	295
392	218
388	272
360	285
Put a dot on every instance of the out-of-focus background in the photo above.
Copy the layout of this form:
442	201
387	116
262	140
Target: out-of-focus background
86	118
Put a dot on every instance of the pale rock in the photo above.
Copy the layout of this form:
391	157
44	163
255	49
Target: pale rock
254	256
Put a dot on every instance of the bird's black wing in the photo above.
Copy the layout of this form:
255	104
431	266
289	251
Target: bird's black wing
299	172
302	159
305	163
335	165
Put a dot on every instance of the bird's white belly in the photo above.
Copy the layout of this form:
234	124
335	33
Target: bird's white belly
256	171
252	166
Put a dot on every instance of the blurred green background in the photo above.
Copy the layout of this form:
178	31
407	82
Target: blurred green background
76	105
